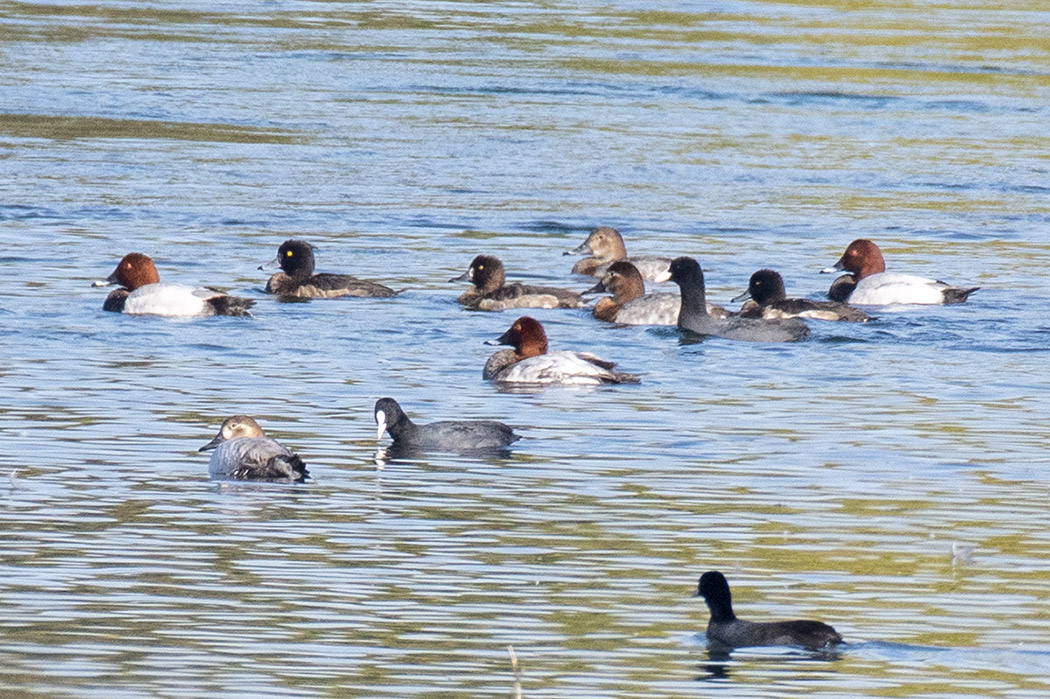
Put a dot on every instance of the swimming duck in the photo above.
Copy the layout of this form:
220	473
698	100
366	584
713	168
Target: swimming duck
630	305
693	316
492	293
244	452
297	278
725	630
769	300
606	246
447	435
869	284
530	363
142	293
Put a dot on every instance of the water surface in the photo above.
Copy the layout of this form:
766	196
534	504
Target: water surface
887	478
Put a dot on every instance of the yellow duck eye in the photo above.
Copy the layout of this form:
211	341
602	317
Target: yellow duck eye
480	267
287	253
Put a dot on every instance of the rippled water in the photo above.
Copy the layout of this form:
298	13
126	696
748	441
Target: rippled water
887	478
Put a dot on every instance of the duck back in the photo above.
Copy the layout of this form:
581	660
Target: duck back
325	285
561	367
888	288
804	633
805	308
256	458
465	435
651	309
519	295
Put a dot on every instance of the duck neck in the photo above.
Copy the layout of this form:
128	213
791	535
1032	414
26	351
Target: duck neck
401	427
629	291
531	346
606	308
721	610
694	301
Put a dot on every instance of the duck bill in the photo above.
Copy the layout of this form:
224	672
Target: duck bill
740	297
598	288
581	249
664	276
503	339
380	424
835	268
465	277
272	264
213	443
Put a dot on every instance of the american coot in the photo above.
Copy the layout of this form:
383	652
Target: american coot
725	630
693	316
530	363
869	284
142	293
606	246
297	278
447	435
244	452
769	300
492	293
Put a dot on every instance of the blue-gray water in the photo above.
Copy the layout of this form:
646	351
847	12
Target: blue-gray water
888	478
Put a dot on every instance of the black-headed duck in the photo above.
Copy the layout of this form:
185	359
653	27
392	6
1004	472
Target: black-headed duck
297	278
693	316
769	300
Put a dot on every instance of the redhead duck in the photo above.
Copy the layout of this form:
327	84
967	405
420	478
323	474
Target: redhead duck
725	630
869	284
244	452
492	293
297	278
530	362
630	305
447	435
693	316
142	293
606	246
769	300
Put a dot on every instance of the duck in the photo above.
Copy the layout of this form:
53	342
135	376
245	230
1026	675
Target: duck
869	284
769	300
446	435
725	630
693	315
630	305
606	246
492	293
142	293
530	362
244	452
297	279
